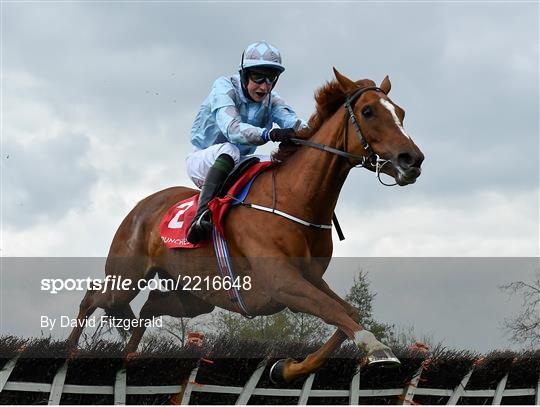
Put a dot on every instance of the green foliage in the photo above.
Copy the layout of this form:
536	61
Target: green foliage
361	297
285	325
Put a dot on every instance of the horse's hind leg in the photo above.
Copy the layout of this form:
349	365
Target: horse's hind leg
86	309
114	302
158	303
122	313
91	301
173	303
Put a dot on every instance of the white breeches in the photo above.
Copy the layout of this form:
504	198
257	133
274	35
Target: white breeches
198	162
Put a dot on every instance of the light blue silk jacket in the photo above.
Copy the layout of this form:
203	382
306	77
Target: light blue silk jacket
227	115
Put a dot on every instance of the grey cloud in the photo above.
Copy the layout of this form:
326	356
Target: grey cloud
467	75
45	179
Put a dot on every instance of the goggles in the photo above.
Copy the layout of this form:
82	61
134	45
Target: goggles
259	78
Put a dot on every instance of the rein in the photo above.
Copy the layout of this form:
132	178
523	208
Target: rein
371	159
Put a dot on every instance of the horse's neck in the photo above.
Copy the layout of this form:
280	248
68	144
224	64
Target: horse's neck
311	178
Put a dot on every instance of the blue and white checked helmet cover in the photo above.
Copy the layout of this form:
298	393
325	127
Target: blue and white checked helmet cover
263	55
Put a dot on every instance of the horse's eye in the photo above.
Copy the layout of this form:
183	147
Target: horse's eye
367	112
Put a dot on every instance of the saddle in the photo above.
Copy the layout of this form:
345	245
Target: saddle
236	174
174	225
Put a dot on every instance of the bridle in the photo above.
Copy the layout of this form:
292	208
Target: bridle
371	159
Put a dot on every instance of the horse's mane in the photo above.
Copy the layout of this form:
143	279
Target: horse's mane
328	99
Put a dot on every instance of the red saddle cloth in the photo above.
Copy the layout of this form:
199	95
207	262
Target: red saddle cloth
176	222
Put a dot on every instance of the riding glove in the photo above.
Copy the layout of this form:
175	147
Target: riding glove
282	135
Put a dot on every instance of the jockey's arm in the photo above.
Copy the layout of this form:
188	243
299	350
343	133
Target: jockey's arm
231	125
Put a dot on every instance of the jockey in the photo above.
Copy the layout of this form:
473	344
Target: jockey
235	118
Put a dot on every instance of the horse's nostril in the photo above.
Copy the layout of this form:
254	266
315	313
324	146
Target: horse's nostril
405	160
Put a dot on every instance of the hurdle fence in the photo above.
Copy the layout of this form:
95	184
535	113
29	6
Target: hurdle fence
120	390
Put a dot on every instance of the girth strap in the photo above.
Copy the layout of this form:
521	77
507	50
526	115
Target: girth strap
277	211
338	227
285	215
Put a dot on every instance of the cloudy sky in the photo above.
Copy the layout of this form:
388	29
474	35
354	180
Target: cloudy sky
98	100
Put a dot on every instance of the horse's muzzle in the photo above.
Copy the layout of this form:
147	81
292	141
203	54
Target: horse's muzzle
408	176
407	167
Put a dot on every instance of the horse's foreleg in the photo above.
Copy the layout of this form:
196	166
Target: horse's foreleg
377	352
298	294
290	369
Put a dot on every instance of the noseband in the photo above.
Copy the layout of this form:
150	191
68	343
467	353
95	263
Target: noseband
371	159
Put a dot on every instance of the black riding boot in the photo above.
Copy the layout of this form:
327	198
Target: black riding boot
201	227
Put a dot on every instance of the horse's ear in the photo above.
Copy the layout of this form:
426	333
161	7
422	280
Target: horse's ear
386	85
346	85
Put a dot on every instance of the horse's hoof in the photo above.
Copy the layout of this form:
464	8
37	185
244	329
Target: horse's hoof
383	357
72	354
131	356
276	372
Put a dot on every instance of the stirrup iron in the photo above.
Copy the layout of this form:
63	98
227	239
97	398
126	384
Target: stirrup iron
201	217
383	357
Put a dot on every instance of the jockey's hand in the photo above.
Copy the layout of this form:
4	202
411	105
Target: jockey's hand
282	135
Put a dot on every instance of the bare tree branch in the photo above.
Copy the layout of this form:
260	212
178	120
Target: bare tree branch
524	327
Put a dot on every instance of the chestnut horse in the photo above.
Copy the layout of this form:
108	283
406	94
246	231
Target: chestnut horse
355	124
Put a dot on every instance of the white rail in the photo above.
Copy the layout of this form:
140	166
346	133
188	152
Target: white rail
120	389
